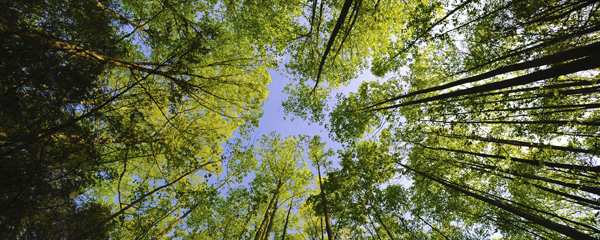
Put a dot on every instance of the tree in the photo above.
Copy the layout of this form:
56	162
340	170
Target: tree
318	155
119	99
506	123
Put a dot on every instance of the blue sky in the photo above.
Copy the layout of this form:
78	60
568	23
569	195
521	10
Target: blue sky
273	119
273	116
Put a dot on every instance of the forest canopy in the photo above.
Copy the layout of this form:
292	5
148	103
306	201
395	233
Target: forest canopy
138	119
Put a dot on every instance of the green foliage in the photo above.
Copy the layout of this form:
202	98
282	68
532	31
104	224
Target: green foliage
135	119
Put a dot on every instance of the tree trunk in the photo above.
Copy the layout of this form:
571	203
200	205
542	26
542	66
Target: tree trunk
287	218
374	228
560	86
338	25
321	228
385	227
518	143
590	189
325	207
533	162
574	53
519	122
271	218
533	218
582	64
259	232
568	106
526	206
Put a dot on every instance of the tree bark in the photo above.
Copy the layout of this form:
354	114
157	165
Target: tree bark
519	143
574	53
522	122
325	207
287	217
582	64
338	25
271	218
259	232
525	49
533	162
590	189
533	218
385	227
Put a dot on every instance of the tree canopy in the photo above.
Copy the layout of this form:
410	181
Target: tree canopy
472	119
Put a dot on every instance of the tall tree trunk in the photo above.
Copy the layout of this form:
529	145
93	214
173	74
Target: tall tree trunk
338	25
525	49
325	206
321	228
575	199
582	64
590	189
553	94
385	227
574	53
526	206
271	218
287	218
533	162
568	106
569	197
517	143
533	218
544	87
521	122
374	227
432	227
259	232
